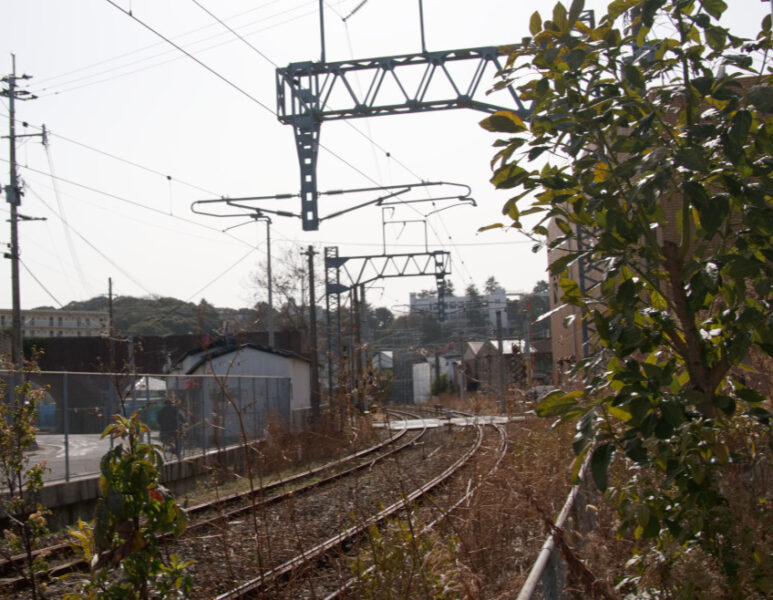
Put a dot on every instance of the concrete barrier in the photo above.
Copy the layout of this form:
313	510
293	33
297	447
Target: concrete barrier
69	500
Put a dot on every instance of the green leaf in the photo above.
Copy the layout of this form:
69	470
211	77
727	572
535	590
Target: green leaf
618	7
716	37
761	96
714	7
633	76
492	226
575	11
504	121
535	23
557	403
599	464
509	176
742	122
691	157
559	17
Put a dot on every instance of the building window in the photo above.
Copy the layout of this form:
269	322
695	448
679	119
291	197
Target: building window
2	319
79	321
59	333
88	322
51	322
60	322
50	334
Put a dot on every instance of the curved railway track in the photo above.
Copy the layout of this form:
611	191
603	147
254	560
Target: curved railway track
319	557
215	513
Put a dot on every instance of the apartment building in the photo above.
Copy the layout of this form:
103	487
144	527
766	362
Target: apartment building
46	323
457	308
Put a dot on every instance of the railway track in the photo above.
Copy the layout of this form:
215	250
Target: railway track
322	563
218	512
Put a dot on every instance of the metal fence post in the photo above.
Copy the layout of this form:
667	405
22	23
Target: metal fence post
66	424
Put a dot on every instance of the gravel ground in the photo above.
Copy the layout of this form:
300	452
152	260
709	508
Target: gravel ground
237	550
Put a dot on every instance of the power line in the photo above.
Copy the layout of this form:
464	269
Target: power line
40	283
229	28
151	46
120	159
233	85
275	65
92	246
131	202
192	57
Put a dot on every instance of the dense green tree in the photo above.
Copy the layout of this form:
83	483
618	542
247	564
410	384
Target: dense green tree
653	140
156	315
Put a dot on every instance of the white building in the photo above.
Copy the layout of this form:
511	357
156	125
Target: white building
457	307
49	322
284	390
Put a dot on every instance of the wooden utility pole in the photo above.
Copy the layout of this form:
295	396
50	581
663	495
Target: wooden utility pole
13	197
315	404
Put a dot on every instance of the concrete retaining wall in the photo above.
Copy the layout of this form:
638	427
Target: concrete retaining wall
68	500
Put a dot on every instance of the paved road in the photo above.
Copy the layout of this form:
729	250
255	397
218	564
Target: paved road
83	454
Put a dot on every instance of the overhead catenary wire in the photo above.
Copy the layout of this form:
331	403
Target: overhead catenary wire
43	80
111	72
234	86
250	96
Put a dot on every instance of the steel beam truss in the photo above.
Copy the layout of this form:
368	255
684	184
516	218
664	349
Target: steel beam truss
309	93
360	270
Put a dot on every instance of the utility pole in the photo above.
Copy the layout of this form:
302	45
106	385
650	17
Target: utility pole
315	409
500	347
13	197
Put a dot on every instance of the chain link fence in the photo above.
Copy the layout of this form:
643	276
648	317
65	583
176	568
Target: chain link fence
187	414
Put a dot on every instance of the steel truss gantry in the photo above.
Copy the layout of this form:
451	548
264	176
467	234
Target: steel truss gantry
360	270
309	93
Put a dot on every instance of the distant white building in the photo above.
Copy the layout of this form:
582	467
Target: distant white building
49	322
457	307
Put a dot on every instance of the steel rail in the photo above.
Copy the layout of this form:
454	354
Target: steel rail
264	502
445	513
252	588
62	550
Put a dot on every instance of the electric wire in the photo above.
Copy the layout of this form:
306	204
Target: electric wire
234	32
120	159
113	75
90	244
234	86
40	283
68	236
130	202
39	82
369	138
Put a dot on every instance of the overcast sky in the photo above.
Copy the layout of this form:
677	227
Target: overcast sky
139	131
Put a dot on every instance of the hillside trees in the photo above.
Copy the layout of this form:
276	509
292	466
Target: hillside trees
649	151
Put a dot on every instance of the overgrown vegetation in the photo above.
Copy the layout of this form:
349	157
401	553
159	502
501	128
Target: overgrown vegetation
133	513
659	179
20	508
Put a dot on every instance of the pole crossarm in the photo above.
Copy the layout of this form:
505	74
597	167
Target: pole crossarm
307	92
359	270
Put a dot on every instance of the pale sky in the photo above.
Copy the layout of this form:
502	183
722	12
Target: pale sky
126	109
